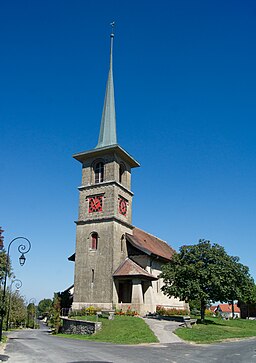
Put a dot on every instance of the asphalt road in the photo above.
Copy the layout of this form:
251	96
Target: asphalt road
38	346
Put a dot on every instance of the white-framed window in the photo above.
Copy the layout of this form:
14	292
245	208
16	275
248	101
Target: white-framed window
99	172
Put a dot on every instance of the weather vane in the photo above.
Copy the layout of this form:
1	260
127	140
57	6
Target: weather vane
112	26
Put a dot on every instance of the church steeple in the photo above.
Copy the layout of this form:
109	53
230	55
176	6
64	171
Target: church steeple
107	141
107	136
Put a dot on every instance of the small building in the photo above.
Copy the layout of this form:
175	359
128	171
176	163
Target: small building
247	310
116	264
225	310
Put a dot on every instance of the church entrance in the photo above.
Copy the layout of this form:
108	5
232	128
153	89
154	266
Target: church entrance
125	292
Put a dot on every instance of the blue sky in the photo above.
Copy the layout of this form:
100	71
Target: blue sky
185	76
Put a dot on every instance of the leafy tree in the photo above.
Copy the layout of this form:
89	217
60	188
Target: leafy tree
1	238
31	315
44	307
206	273
65	299
5	265
55	320
195	305
241	284
3	258
249	293
18	311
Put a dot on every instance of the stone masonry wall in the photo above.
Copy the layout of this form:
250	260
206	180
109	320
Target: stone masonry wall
71	326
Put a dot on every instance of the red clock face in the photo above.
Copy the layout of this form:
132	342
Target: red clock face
122	206
95	204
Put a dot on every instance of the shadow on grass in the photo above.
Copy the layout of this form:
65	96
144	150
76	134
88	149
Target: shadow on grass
208	322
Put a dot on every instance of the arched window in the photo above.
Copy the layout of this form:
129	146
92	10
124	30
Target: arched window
94	241
99	172
121	172
122	242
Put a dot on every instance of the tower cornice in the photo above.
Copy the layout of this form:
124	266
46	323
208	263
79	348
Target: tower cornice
106	183
99	152
104	219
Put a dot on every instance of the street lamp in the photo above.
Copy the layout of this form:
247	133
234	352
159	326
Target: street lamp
23	249
18	285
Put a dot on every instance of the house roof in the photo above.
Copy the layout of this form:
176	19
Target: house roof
227	308
129	268
213	308
146	243
70	289
150	244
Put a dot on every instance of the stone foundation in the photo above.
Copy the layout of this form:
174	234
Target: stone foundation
82	327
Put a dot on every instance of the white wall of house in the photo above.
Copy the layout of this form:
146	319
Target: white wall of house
153	295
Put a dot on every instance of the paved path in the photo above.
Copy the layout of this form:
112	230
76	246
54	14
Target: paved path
163	330
37	346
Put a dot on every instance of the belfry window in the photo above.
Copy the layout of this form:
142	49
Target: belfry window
94	241
99	172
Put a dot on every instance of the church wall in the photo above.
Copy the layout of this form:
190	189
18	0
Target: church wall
159	297
142	260
153	294
93	268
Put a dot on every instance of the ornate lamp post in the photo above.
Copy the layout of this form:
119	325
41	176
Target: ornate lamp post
23	249
18	285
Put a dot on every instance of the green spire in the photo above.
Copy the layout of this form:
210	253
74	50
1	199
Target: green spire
107	134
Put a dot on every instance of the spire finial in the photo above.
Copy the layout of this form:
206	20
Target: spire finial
112	29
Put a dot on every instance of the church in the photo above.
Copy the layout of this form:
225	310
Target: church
117	265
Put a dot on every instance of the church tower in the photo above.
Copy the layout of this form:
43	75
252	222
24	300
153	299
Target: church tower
105	210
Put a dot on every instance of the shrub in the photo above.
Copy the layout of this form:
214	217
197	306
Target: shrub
91	310
171	311
128	312
208	312
194	311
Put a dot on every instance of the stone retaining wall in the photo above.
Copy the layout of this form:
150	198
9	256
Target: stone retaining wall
82	327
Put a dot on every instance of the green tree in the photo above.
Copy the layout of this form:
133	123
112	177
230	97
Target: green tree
206	273
31	315
44	307
249	292
65	299
18	310
3	258
55	320
241	284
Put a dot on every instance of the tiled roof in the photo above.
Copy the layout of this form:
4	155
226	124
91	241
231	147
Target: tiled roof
227	308
129	268
150	244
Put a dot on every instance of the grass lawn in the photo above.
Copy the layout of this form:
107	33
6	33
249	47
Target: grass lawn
121	330
215	330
